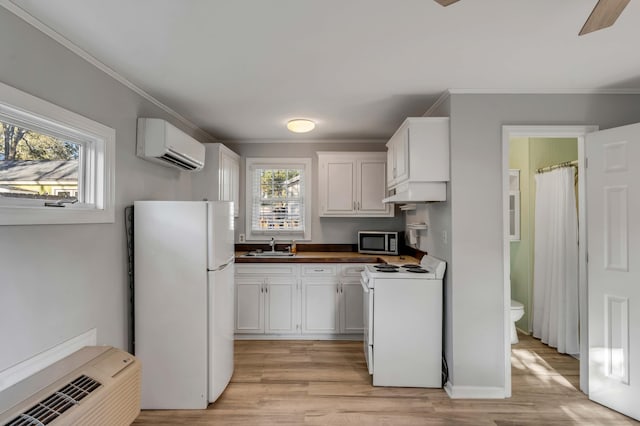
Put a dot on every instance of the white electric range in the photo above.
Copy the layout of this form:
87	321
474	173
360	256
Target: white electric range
403	323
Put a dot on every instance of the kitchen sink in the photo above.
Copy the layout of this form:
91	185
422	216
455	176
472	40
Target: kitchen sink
268	254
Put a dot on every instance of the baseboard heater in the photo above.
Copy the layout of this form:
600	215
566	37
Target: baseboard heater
97	385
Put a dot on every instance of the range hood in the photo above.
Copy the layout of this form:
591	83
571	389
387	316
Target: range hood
418	192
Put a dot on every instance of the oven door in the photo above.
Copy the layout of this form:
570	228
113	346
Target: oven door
367	294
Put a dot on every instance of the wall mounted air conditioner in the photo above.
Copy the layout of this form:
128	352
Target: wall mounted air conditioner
97	385
163	143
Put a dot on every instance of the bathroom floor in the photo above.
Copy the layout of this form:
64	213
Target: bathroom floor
327	383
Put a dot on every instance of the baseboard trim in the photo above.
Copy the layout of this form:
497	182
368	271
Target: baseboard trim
26	368
353	337
473	392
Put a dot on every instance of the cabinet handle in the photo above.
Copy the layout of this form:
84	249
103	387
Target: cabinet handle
354	205
318	270
266	288
358	205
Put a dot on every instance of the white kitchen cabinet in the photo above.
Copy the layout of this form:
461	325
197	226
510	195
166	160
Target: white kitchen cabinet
267	299
352	184
281	302
351	299
313	299
418	159
320	293
249	315
398	156
220	178
320	306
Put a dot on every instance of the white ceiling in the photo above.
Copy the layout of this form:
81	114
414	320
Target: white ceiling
239	69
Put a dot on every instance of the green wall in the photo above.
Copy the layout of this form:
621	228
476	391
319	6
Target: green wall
528	155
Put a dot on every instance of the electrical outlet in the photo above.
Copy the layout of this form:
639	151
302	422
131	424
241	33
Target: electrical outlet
241	238
445	237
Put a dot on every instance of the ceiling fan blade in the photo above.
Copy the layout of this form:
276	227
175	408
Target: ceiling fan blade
446	2
603	15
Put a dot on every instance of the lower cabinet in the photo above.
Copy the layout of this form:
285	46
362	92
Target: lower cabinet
351	299
267	300
351	316
304	300
320	306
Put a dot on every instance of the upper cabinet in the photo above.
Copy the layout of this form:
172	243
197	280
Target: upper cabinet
418	160
220	178
353	184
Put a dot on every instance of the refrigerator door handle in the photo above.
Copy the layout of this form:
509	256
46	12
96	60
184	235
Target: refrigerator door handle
222	267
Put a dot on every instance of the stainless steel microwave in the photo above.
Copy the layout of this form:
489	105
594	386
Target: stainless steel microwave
379	242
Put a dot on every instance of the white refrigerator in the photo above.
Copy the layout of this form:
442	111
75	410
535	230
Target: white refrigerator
183	301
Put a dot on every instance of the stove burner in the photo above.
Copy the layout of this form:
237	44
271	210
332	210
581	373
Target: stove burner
386	266
389	270
411	266
417	270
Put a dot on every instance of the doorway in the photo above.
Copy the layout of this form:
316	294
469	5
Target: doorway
549	134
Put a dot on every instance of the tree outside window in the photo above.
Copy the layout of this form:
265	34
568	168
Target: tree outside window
36	165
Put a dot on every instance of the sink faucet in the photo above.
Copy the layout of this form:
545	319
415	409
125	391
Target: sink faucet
272	243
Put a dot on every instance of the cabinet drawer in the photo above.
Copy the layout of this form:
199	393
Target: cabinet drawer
262	269
351	270
322	270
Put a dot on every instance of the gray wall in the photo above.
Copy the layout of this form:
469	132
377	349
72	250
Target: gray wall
335	230
58	281
475	336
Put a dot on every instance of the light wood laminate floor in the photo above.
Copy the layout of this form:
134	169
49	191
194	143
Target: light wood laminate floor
326	383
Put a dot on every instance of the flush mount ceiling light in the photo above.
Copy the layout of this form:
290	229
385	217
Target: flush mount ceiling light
300	125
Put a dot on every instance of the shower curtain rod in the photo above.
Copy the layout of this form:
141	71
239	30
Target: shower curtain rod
573	163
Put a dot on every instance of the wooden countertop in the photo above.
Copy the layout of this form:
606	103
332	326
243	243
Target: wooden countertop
328	257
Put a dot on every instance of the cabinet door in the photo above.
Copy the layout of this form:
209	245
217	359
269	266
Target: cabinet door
280	300
391	161
401	156
320	306
337	177
234	185
229	175
249	317
351	314
371	188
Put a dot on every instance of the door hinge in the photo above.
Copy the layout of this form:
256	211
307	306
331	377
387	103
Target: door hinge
586	163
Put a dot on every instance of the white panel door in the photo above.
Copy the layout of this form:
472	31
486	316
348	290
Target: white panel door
320	310
613	234
351	309
371	187
280	305
340	187
249	316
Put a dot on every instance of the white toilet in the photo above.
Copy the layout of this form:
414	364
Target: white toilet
517	311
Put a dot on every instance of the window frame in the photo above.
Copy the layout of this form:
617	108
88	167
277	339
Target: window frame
96	162
253	163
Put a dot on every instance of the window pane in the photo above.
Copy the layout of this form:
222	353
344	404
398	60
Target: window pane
277	203
36	165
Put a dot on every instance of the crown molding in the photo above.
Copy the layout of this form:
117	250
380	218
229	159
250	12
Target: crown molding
305	141
543	92
45	29
441	99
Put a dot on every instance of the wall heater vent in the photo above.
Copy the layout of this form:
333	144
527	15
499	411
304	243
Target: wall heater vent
95	385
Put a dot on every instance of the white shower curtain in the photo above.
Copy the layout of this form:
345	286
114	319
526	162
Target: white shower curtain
555	281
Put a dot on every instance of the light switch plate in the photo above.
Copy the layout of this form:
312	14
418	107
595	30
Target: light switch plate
241	238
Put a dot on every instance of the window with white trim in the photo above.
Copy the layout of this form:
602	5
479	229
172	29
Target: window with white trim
55	166
278	198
